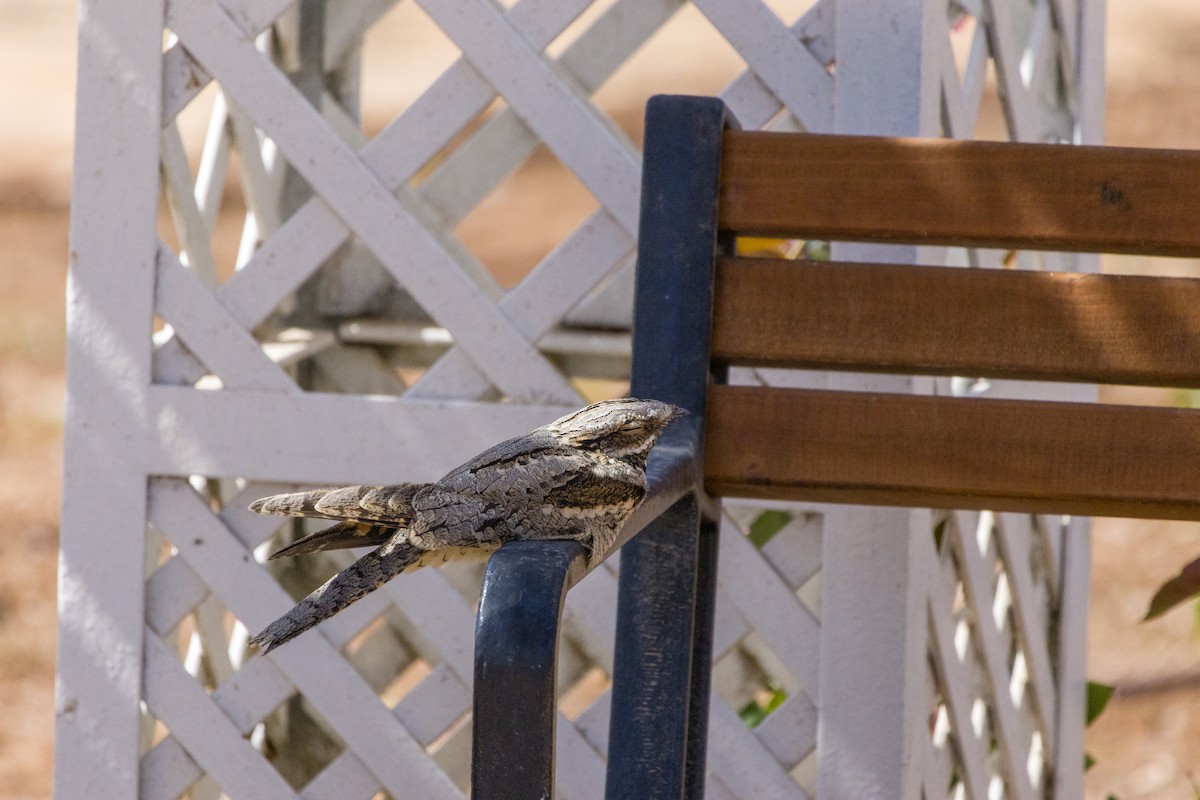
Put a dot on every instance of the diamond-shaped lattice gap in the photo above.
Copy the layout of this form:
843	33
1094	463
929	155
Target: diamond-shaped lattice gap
407	679
790	541
403	54
203	641
200	158
963	28
158	550
166	768
686	55
789	11
944	737
992	122
152	729
383	658
586	690
525	216
452	752
353	283
753	680
299	742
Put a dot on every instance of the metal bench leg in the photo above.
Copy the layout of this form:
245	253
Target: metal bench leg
702	651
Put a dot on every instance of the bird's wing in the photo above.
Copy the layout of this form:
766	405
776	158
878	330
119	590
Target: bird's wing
339	537
386	504
526	447
559	494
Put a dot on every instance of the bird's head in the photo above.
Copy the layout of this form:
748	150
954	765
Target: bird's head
625	428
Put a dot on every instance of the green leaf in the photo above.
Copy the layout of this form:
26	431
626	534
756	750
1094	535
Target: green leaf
1098	695
766	525
1184	585
754	712
817	250
1088	761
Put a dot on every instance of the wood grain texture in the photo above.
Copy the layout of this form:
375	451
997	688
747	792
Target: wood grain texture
884	449
945	192
944	321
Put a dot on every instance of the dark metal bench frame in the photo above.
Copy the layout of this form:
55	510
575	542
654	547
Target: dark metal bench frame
704	182
662	665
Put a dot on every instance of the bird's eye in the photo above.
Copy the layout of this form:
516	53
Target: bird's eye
631	426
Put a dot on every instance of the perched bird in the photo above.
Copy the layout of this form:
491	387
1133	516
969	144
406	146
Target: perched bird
577	478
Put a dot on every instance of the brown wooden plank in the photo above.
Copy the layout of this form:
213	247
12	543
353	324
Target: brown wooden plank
946	321
995	194
942	452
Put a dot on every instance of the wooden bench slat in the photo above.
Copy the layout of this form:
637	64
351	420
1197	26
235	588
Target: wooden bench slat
903	450
991	194
947	321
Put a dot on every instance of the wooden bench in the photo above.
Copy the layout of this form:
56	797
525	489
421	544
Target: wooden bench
700	309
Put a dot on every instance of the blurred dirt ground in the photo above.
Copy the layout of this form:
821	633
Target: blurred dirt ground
1147	744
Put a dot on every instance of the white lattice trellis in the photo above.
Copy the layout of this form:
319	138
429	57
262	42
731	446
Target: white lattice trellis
359	340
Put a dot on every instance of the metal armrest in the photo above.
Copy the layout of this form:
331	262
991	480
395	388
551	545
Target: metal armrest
517	631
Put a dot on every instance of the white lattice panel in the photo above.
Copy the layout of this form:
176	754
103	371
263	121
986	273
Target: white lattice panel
354	337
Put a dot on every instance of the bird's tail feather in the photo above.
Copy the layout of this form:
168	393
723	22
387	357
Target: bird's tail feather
293	504
387	504
363	576
350	533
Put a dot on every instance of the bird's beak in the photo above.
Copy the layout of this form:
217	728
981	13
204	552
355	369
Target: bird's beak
676	413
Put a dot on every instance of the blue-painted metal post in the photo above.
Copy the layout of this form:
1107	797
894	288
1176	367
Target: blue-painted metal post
661	672
661	675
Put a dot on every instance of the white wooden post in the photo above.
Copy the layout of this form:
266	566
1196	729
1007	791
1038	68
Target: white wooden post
1077	545
871	723
110	296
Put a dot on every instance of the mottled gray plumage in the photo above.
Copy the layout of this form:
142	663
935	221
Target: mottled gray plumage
577	478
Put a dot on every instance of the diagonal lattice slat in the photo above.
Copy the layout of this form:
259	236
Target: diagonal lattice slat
568	125
366	203
383	690
172	695
314	667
